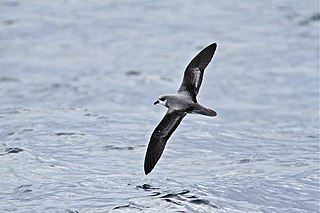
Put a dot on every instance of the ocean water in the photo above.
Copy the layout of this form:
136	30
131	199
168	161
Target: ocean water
77	84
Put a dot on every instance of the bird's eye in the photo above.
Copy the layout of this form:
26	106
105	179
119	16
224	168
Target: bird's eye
161	99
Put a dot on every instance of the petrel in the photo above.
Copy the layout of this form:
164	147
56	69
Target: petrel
179	105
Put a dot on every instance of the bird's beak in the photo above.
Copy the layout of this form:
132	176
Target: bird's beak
156	102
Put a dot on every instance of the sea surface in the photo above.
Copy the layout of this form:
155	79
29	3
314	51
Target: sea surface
77	84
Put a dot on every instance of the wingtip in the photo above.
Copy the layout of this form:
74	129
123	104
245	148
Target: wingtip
147	167
214	45
208	50
147	170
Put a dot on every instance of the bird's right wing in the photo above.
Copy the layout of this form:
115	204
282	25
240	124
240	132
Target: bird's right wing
193	74
159	138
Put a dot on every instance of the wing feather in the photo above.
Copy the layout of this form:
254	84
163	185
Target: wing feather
159	138
193	74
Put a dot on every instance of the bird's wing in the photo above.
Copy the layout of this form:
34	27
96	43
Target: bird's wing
159	138
193	74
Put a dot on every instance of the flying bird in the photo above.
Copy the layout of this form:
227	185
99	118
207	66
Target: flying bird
179	105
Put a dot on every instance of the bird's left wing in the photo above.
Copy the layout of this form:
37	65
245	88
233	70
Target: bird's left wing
159	138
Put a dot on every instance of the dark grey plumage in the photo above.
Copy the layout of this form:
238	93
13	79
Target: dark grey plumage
190	84
179	104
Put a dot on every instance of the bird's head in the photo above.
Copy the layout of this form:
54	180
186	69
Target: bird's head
161	100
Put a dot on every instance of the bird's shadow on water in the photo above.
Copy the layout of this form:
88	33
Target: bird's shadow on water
179	198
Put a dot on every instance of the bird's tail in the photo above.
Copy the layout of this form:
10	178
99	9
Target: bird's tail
205	111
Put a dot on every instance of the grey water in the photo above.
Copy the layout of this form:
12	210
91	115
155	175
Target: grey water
77	84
